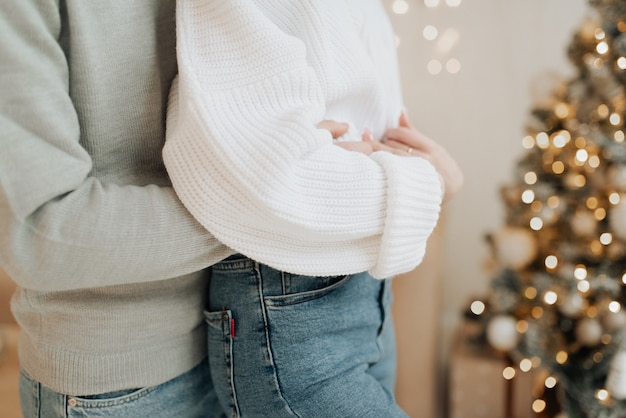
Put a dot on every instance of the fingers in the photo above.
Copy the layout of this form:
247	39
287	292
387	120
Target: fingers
336	129
400	148
367	136
404	121
410	137
362	147
368	146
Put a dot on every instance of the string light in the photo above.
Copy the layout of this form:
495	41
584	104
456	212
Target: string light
561	139
525	365
528	196
550	297
430	32
521	326
603	111
434	67
558	167
508	373
606	238
582	156
536	223
530	178
453	66
528	142
583	286
615	119
599	214
543	140
477	307
550	382
561	110
539	405
400	7
551	261
599	34
554	202
531	292
602	394
592	202
615	306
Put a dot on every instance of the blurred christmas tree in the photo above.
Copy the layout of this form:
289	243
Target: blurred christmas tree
559	288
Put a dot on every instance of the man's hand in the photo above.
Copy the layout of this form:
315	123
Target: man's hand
366	146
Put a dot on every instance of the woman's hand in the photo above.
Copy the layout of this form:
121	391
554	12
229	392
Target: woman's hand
409	141
405	140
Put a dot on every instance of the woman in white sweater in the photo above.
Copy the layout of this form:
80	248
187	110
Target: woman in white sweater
298	323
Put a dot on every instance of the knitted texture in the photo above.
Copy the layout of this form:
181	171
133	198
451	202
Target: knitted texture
246	158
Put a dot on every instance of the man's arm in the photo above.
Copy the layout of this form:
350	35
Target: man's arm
60	227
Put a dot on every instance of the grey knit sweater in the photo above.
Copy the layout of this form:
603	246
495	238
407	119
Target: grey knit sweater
108	262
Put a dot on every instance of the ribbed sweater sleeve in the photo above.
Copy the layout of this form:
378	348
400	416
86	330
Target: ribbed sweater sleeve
247	161
62	227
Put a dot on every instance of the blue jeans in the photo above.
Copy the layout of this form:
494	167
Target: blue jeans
189	395
285	345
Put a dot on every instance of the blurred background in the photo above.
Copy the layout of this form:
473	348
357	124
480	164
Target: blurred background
471	71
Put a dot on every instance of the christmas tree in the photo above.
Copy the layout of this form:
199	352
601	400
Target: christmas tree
558	294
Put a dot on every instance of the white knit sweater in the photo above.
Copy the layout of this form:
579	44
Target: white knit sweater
246	158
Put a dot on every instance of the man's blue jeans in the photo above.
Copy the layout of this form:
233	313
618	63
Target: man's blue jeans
189	395
285	345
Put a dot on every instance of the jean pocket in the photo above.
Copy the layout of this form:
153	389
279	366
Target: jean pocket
107	404
220	342
299	289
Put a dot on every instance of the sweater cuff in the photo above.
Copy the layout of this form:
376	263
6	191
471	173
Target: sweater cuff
414	195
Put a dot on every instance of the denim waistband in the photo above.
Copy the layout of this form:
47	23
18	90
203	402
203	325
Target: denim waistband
235	262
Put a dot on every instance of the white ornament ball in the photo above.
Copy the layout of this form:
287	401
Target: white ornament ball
617	218
584	224
589	332
515	247
572	304
616	380
502	332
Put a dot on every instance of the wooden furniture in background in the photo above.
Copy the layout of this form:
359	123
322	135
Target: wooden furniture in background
417	316
6	290
9	372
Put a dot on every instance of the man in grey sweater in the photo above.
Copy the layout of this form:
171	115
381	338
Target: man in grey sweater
110	267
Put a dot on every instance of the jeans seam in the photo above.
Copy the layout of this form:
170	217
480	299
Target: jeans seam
232	368
283	282
382	299
268	343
